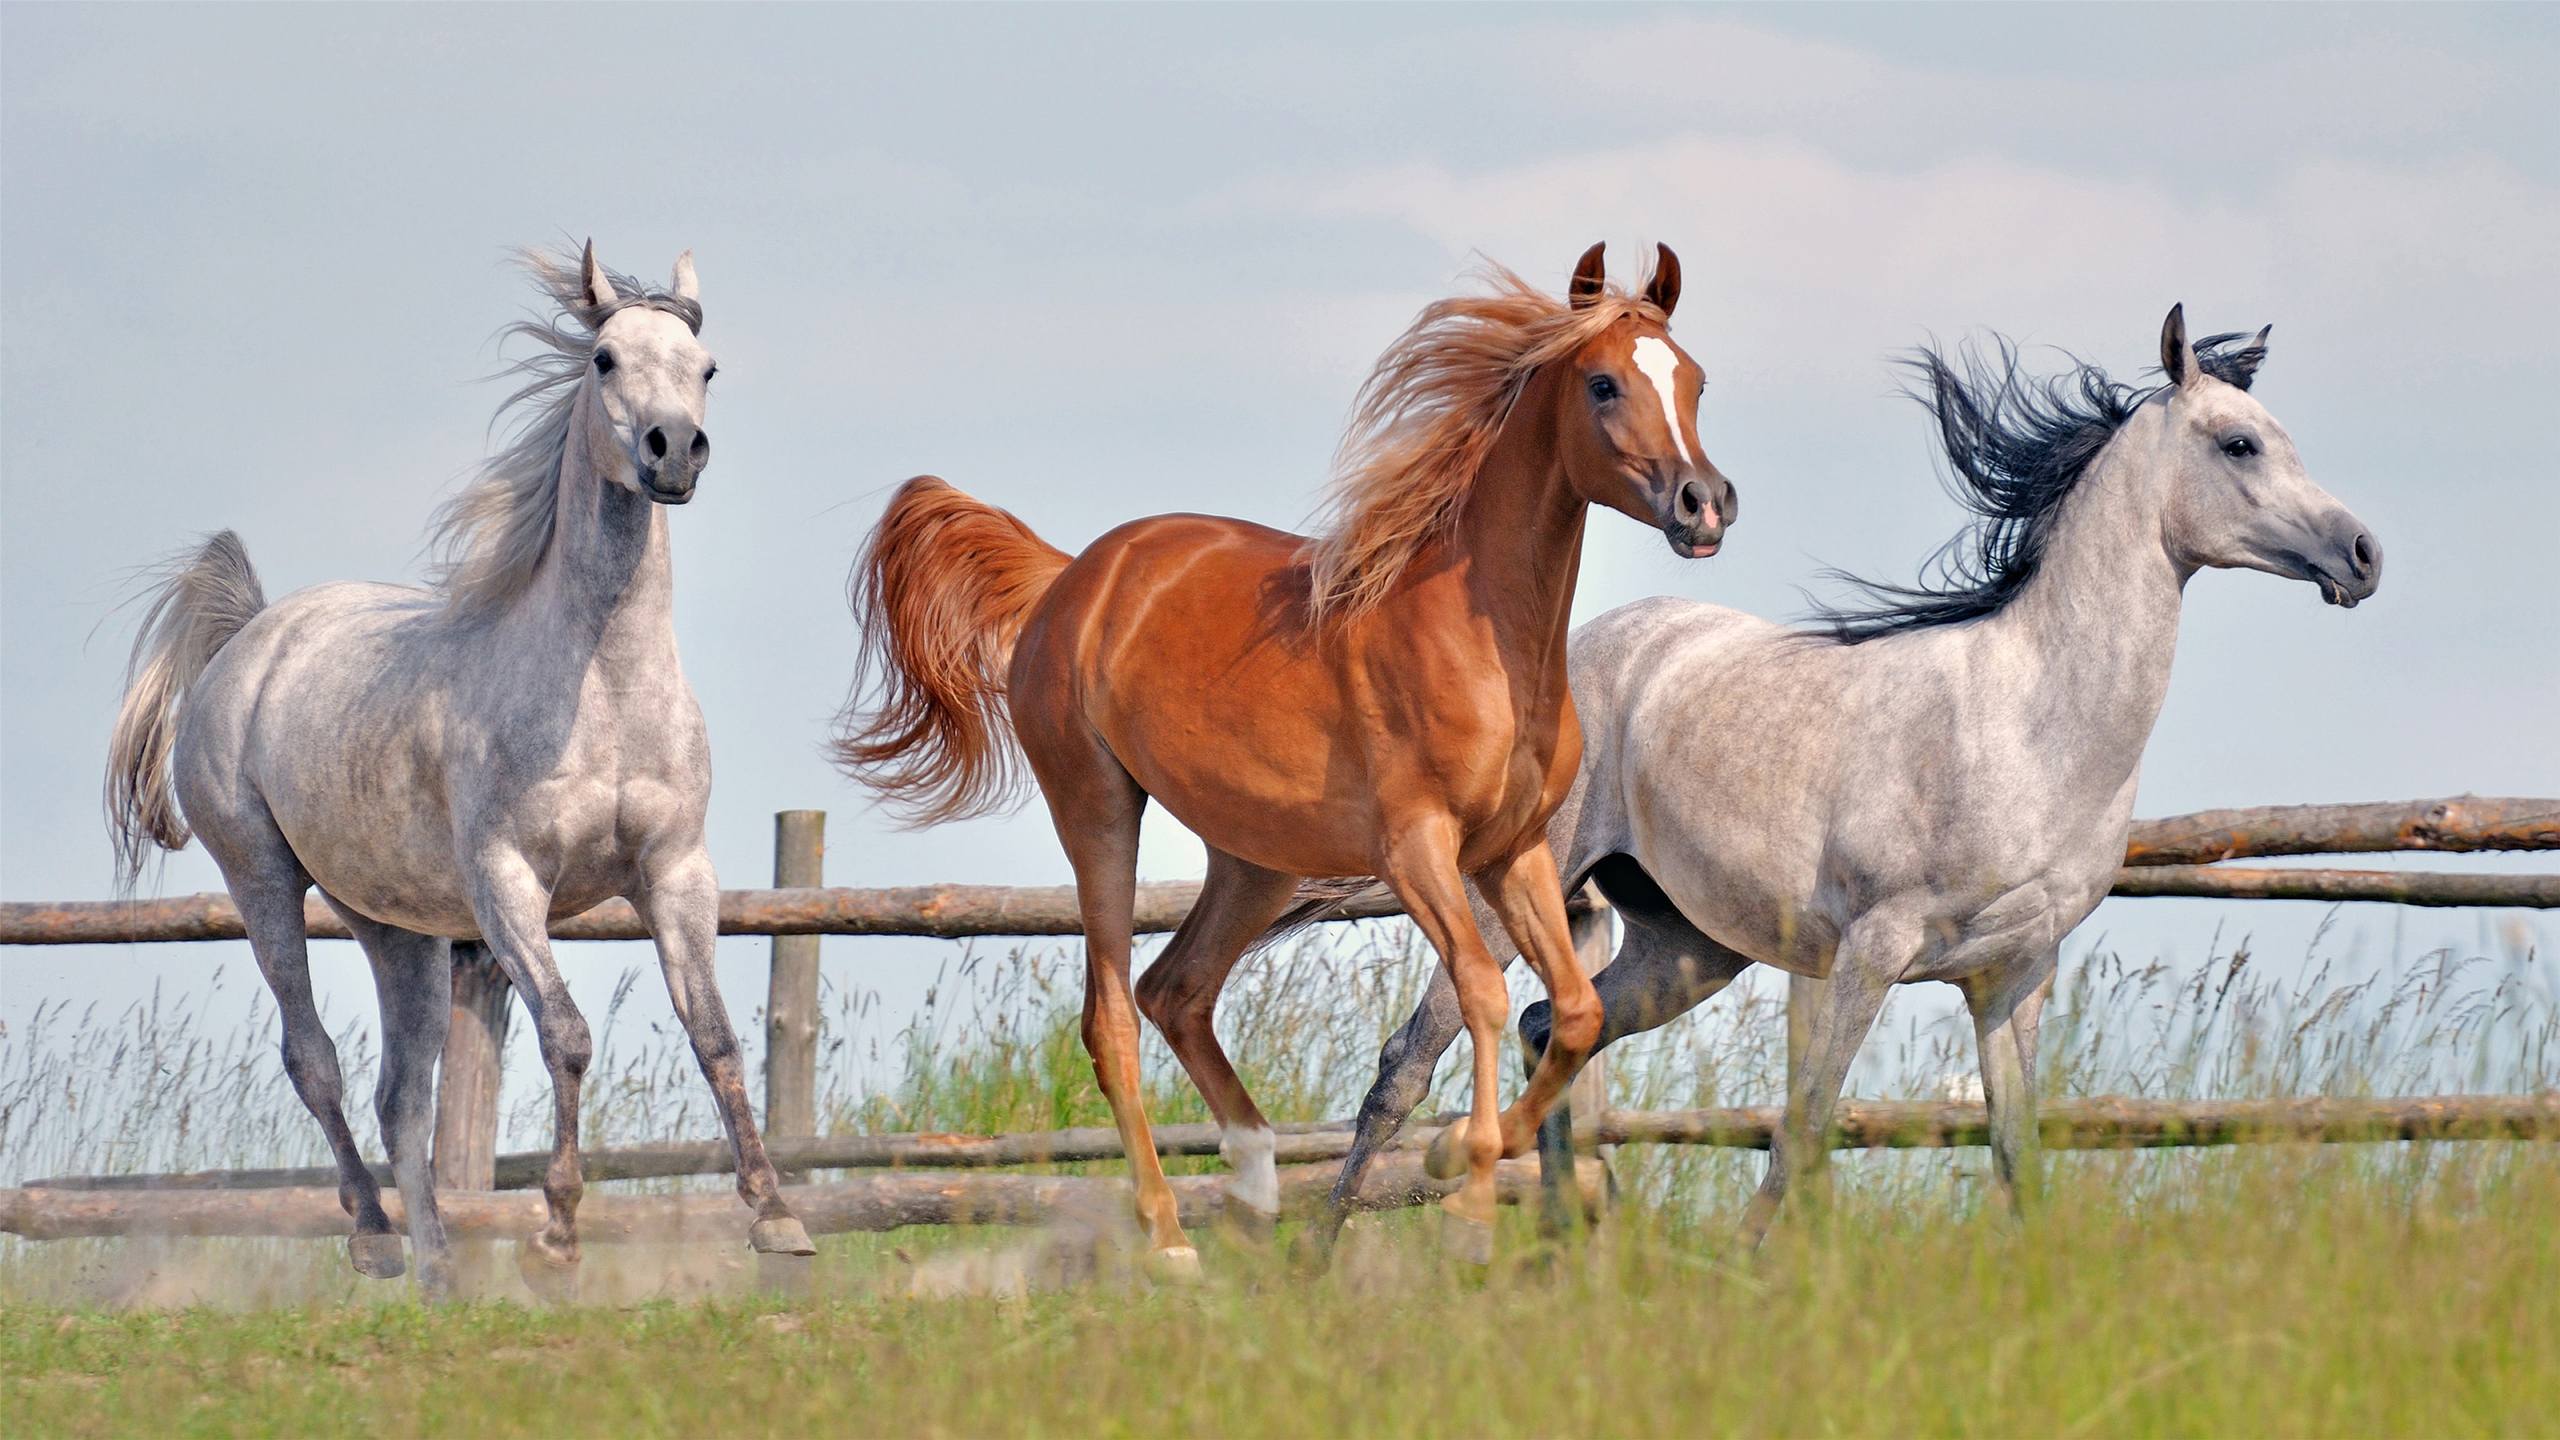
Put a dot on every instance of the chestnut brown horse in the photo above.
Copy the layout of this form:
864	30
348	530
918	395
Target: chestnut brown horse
1386	699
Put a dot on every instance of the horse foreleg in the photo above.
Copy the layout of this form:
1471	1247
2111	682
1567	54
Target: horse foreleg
1180	994
680	903
1529	898
514	910
1872	952
2008	1005
1422	868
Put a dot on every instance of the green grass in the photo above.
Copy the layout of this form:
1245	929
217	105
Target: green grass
2289	1290
2287	1293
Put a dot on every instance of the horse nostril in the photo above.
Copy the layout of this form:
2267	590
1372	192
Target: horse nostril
1689	502
1732	504
657	442
701	447
2363	553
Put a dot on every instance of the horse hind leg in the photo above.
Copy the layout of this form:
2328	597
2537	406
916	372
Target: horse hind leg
1097	806
1180	994
267	884
413	978
1405	1066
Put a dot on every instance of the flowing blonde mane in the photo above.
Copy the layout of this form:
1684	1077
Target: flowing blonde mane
1425	420
489	539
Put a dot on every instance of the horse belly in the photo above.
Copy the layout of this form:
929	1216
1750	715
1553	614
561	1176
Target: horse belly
395	868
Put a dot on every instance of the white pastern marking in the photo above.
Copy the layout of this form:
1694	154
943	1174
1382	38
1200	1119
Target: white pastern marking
1661	365
1256	1180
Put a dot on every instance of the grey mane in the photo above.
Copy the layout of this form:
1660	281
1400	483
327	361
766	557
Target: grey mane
2015	447
489	539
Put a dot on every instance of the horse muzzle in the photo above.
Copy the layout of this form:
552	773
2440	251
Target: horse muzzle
671	463
668	484
1701	508
2351	572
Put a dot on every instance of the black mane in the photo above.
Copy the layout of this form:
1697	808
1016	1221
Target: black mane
2015	445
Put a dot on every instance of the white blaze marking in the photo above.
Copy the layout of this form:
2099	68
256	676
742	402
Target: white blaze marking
1249	1153
1661	365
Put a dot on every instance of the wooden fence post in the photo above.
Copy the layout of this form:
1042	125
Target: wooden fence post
467	1088
791	1006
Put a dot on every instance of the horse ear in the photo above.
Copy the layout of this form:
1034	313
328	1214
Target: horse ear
593	285
1664	292
684	284
1589	277
2177	357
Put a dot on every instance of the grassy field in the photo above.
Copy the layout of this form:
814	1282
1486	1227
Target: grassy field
2345	1290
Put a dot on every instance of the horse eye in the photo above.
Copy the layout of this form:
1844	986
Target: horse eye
1603	389
707	374
604	362
2239	447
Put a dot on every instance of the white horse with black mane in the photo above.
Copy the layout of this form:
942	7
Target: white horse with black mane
472	760
1936	787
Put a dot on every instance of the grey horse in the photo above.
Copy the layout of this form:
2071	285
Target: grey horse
1936	786
512	745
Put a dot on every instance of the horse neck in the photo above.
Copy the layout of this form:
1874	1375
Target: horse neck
1519	533
2090	639
607	586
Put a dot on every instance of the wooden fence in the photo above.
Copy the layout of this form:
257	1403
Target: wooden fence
932	1181
2179	856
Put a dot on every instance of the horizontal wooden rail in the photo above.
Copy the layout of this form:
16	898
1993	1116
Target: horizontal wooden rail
966	911
2392	887
2107	1123
951	912
2465	822
2164	858
869	1202
2102	1123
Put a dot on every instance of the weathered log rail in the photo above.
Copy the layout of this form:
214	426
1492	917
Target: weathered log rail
2103	1123
2165	858
867	1202
2387	887
950	912
2465	822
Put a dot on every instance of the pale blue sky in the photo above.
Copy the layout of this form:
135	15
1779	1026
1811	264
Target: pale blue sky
1094	263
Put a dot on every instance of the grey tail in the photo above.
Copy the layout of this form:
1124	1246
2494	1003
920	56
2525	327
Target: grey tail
200	598
1320	900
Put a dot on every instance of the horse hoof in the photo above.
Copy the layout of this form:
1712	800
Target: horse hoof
1174	1265
549	1276
1240	1221
435	1281
1447	1157
781	1235
1465	1241
376	1256
1311	1253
